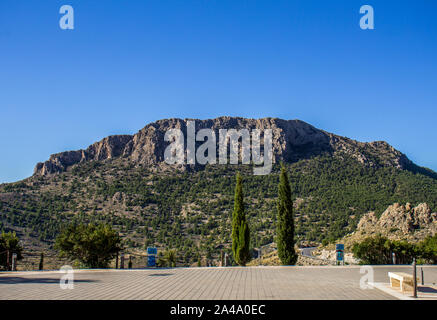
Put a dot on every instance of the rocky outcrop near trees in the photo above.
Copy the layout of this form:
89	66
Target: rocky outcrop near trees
397	222
400	222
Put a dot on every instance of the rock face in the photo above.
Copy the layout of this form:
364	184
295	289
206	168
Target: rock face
292	140
108	148
400	222
397	222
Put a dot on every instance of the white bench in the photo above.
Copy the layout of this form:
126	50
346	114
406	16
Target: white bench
400	279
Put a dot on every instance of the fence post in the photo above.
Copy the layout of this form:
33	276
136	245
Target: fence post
122	261
414	278
14	262
7	260
116	261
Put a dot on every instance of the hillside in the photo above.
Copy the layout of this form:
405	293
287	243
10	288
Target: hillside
123	180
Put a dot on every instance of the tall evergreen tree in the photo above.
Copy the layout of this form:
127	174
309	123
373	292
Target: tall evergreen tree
240	229
285	227
41	261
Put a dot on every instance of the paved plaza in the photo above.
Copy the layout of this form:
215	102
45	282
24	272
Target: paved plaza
253	283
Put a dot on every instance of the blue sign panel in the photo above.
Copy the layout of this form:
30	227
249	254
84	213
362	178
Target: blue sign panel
151	261
339	255
152	250
339	246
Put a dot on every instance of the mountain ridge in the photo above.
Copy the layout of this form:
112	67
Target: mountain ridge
292	141
121	181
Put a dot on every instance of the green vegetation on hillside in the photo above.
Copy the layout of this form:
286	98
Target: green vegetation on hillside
428	249
191	211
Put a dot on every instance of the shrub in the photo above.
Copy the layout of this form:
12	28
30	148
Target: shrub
92	245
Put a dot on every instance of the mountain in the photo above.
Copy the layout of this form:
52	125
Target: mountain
123	180
293	140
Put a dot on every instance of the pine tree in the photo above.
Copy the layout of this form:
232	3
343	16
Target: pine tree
285	227
240	229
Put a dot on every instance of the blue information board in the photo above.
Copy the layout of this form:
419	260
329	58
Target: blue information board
152	250
151	256
151	261
339	246
339	255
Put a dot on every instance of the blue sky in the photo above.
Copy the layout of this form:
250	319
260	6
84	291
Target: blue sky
128	63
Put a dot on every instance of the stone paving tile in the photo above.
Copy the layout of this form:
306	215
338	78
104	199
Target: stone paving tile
254	283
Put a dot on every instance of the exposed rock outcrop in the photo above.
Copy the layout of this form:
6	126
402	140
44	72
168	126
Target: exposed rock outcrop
292	140
398	222
110	147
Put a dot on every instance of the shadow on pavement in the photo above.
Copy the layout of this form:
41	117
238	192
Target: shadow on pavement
160	274
17	280
426	290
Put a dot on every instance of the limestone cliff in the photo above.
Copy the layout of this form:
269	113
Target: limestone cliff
292	140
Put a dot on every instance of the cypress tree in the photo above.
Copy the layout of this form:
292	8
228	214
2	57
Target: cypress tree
41	261
240	229
285	226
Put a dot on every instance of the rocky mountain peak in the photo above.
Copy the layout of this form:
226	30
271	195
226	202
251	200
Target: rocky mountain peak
292	140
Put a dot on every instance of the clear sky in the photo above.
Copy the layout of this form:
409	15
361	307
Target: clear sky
128	63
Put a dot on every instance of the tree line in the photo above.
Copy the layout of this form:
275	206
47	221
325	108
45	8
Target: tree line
95	245
380	250
332	195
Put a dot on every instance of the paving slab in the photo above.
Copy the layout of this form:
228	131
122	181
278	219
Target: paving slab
231	283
